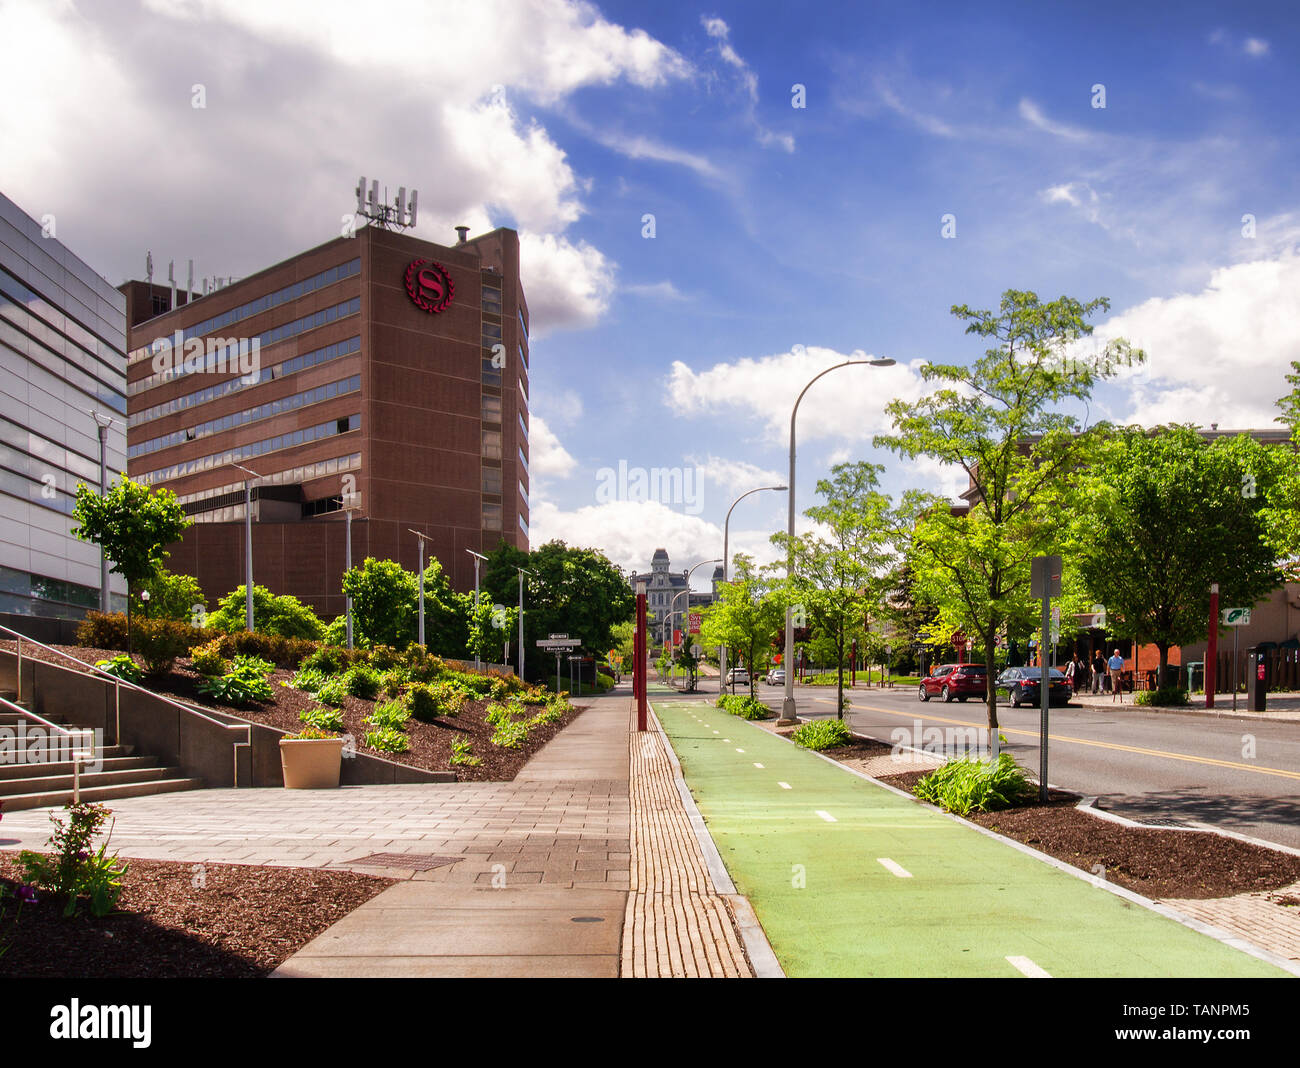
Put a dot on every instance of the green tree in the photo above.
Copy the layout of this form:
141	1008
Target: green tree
131	525
490	627
1165	514
384	597
840	577
1283	515
746	618
996	420
273	613
171	597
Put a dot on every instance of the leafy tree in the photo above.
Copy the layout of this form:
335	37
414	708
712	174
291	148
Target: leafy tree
273	613
746	618
838	578
131	525
447	615
996	421
1283	515
171	597
1167	513
384	603
490	627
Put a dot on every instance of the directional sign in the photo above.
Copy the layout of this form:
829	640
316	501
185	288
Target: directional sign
558	643
696	650
558	637
1045	577
1236	617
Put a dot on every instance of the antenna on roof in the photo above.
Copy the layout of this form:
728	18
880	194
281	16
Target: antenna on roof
396	216
148	267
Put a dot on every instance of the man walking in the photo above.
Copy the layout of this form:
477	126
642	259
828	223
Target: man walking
1116	665
1098	670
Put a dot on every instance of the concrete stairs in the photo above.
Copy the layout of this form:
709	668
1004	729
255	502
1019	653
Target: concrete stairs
36	781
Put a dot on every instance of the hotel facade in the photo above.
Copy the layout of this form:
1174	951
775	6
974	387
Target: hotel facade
376	372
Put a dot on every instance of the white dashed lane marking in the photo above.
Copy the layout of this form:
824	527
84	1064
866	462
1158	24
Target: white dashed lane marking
1028	967
894	867
739	750
783	785
827	816
758	765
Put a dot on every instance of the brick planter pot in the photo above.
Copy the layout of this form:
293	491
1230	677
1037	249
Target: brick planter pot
311	763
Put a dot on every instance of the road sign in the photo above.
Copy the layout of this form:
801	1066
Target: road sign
958	640
696	650
557	637
1045	577
677	637
1236	617
558	643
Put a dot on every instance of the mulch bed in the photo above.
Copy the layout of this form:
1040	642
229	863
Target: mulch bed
430	742
243	921
1153	862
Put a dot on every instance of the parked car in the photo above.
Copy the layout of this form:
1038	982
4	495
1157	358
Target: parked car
776	677
953	682
738	677
1022	683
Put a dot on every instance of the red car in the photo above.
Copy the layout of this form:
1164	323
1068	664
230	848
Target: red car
950	681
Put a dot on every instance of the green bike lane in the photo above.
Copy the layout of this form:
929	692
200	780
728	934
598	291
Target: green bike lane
849	879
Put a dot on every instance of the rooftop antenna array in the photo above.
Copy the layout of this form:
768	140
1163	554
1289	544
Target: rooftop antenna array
400	215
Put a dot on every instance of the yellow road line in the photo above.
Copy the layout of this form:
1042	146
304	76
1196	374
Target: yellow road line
1280	772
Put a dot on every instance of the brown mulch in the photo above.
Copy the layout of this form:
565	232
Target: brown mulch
1151	861
430	742
242	921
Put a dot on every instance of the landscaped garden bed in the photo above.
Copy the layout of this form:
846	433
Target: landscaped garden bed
176	920
448	726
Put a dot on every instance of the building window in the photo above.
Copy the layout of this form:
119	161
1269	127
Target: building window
492	444
523	426
492	300
492	480
491	516
491	409
491	373
523	325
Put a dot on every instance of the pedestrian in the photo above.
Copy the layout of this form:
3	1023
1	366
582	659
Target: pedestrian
1098	671
1080	674
1116	665
1070	669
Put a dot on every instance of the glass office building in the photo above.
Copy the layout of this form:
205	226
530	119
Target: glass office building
62	362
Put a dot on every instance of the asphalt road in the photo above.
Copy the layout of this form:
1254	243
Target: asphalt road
1234	774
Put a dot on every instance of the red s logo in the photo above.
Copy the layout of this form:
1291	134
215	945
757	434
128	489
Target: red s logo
429	286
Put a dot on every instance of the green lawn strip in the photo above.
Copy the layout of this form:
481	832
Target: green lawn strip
971	902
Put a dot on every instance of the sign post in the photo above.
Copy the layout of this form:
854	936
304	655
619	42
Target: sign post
1234	618
1212	647
1045	583
557	642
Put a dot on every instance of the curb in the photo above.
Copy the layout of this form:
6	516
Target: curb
759	950
1217	933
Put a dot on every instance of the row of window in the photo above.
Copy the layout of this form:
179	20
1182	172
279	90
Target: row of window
491	516
48	453
34	341
233	385
255	448
492	299
261	304
229	354
290	476
36	491
325	392
68	327
491	409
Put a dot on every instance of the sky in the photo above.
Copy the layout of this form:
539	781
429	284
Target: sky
715	203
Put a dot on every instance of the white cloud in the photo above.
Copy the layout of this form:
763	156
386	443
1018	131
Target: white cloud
1033	114
658	290
547	458
1255	46
735	476
929	123
1077	195
1216	356
849	408
568	285
628	532
721	32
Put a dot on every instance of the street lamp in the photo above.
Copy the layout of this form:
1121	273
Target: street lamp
248	552
423	538
726	559
687	592
102	423
477	558
522	572
788	716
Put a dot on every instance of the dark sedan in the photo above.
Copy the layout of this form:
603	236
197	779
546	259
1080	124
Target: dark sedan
1022	683
953	682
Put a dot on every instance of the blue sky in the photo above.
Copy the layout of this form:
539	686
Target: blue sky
784	238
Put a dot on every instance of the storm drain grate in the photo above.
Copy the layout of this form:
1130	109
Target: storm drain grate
1164	822
410	861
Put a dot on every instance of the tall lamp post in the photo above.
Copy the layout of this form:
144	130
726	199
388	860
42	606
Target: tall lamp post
349	506
726	559
788	715
522	572
477	558
248	547
423	538
686	612
102	423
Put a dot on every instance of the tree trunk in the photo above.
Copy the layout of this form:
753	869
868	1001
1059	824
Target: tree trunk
839	686
990	676
1164	662
128	620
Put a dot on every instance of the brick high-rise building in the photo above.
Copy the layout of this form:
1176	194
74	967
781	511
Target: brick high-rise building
378	369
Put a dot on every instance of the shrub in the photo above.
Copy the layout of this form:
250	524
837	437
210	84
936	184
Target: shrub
326	719
510	734
309	680
160	641
383	657
362	681
73	869
273	615
103	630
330	659
744	706
122	666
423	667
391	715
244	683
462	753
393	681
206	659
170	597
822	734
534	695
310	734
332	691
1166	695
253	665
968	785
388	740
549	714
284	652
496	713
429	700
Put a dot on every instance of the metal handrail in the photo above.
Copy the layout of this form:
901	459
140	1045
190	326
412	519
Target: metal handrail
118	683
77	756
